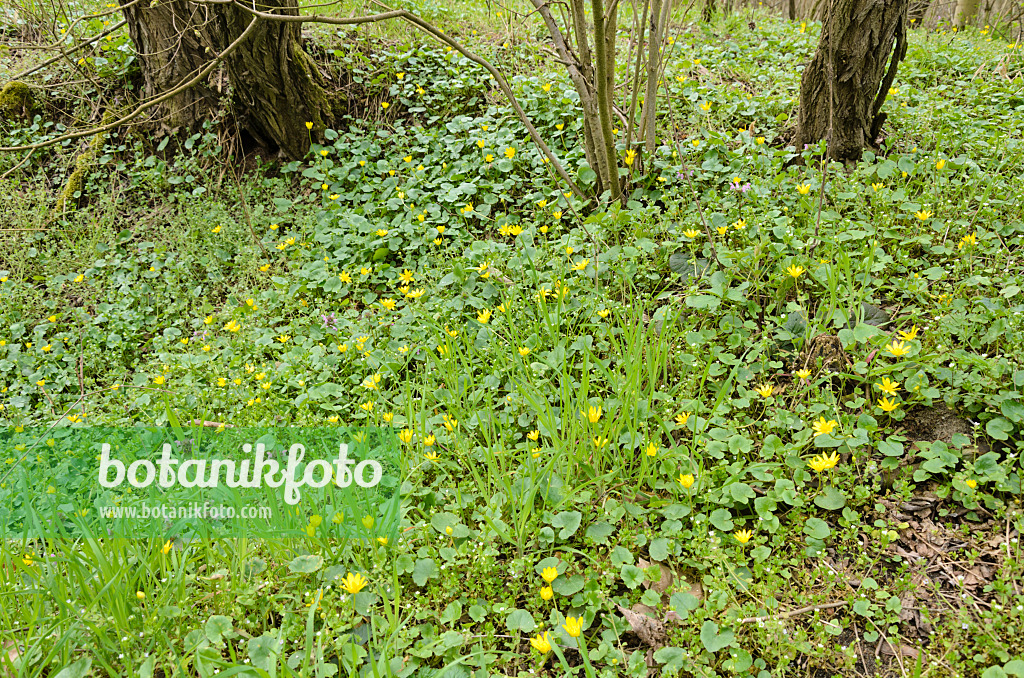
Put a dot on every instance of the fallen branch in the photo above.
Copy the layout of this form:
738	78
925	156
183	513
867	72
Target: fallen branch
795	613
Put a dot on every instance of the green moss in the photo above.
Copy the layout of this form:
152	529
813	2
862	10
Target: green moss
76	181
16	101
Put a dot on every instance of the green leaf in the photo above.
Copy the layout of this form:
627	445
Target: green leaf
76	670
722	519
1014	667
712	640
1012	410
306	564
672	658
520	620
424	569
217	627
599	532
683	604
569	521
567	586
994	672
817	528
830	499
632	575
999	428
659	549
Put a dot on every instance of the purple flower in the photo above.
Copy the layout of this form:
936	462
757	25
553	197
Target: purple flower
742	189
329	321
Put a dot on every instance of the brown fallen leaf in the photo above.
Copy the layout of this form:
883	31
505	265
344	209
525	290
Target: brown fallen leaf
667	576
651	631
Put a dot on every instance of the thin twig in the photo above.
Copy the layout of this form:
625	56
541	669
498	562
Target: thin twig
795	613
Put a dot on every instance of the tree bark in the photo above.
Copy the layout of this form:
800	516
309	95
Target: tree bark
276	86
965	11
845	84
169	52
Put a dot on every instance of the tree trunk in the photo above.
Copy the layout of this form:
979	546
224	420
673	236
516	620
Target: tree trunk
965	11
277	88
845	84
169	53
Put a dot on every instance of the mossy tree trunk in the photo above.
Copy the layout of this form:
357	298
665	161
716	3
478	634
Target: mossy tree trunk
846	82
169	52
965	12
276	86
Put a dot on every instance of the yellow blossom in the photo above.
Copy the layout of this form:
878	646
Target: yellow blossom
897	348
821	463
888	405
823	427
795	270
686	480
803	189
547	593
573	626
541	643
593	414
923	215
765	390
888	386
743	536
523	351
353	583
911	335
484	316
549	574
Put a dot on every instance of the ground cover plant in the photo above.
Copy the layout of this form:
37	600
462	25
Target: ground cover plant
762	416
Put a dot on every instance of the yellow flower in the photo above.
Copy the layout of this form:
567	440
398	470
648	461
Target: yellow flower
533	435
284	338
233	326
165	549
523	351
795	270
803	189
630	157
740	224
593	414
216	229
384	105
353	583
706	106
79	278
430	455
140	595
600	442
765	390
759	140
604	312
573	626
547	593
546	87
888	405
381	232
940	164
888	386
911	335
971	483
691	233
803	374
399	75
27	560
406	276
345	277
309	125
158	381
652	449
682	418
686	480
420	91
580	265
405	435
897	348
389	304
722	230
429	441
821	463
557	214
822	427
367	406
743	536
549	574
484	316
923	215
541	643
877	187
407	158
510	152
324	152
274	227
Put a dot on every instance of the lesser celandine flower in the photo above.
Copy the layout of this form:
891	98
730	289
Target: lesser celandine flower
923	215
888	405
911	335
533	435
541	643
686	480
823	427
429	441
353	583
547	593
593	414
795	270
888	386
691	233
877	187
803	189
682	418
549	574
573	626
971	483
803	374
897	348
600	442
821	463
523	351
484	316
141	595
652	449
765	390
743	536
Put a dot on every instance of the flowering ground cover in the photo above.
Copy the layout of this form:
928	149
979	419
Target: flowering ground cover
763	417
